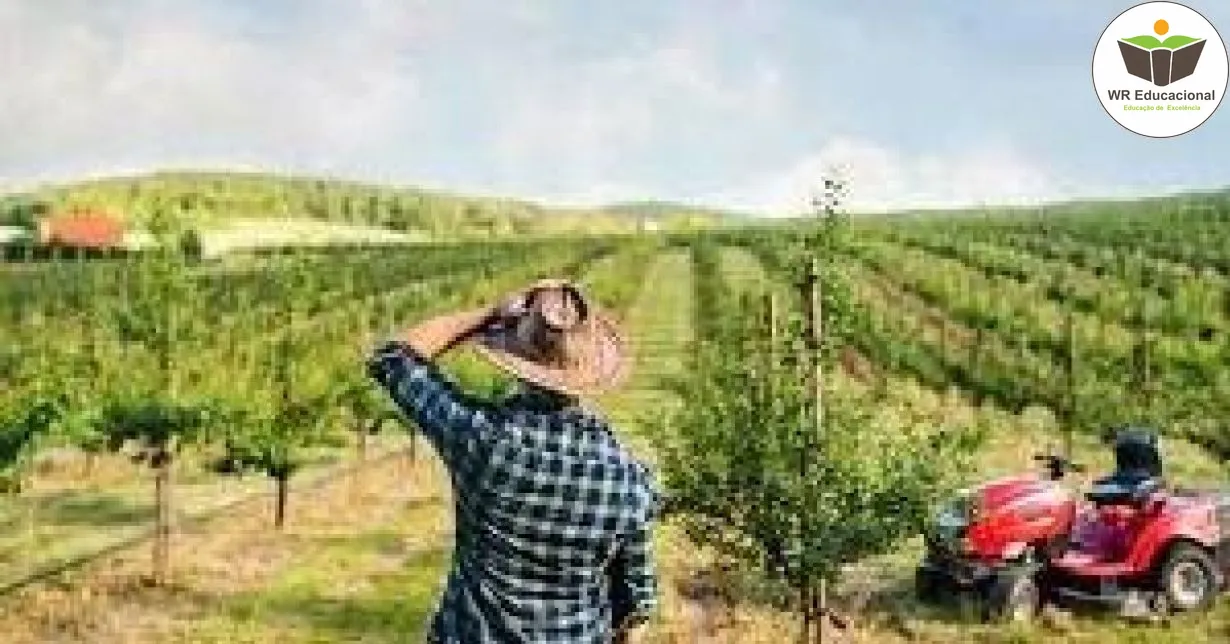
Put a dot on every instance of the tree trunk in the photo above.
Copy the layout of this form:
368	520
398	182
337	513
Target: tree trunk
805	632
821	610
1070	397
356	473
975	365
162	517
279	509
1146	359
815	321
812	617
32	523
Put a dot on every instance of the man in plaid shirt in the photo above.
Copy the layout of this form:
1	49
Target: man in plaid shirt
554	518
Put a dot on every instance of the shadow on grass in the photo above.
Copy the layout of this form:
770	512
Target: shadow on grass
391	607
897	608
90	510
388	541
72	508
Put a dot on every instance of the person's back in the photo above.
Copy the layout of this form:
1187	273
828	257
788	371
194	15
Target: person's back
553	516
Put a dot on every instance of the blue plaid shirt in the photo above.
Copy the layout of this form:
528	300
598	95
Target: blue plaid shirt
553	517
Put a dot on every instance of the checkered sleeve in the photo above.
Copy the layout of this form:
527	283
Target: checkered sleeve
636	588
447	417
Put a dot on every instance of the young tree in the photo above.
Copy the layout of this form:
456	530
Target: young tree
283	422
771	465
289	412
154	427
149	412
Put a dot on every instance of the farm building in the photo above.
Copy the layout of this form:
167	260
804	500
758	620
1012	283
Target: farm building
81	229
10	234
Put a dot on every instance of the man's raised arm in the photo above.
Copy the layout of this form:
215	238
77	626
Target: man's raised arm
404	367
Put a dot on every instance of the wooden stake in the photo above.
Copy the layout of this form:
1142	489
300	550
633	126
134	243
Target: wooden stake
162	517
1070	403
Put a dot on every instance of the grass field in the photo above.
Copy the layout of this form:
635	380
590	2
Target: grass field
59	519
362	557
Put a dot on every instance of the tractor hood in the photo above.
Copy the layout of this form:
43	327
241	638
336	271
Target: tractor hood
997	519
1008	492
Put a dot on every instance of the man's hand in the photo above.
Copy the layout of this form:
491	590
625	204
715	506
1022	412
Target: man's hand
437	335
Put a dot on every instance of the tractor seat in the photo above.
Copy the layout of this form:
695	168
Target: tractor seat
1123	490
1138	470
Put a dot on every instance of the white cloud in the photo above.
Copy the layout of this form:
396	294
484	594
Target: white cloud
589	119
882	179
521	97
159	85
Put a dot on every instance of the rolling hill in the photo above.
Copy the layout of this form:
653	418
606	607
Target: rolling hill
213	200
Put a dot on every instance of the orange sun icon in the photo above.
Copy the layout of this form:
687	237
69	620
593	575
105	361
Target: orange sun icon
1161	27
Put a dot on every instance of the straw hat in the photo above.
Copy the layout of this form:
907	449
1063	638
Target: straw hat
553	336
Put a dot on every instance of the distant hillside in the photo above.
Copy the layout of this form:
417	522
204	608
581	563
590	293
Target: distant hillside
1212	203
665	210
213	200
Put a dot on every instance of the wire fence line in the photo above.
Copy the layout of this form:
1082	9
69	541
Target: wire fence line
310	484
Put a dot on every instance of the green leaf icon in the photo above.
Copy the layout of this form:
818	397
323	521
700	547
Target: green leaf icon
1151	42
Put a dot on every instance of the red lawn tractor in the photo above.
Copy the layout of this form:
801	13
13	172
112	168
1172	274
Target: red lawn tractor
1132	543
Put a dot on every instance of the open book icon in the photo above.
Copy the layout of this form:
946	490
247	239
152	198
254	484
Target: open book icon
1161	62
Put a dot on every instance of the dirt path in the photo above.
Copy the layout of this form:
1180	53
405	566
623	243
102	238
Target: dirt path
659	327
660	324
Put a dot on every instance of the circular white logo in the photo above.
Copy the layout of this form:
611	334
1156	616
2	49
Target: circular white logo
1160	69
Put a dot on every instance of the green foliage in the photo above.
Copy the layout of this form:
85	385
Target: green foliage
789	478
273	437
148	408
1105	320
754	480
290	415
613	280
23	421
156	426
365	406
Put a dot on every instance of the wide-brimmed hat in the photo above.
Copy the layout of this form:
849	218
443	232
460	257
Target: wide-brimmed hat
552	335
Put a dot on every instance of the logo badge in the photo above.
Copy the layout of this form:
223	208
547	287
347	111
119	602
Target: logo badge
1160	69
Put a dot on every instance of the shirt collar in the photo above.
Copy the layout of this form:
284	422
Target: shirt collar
538	399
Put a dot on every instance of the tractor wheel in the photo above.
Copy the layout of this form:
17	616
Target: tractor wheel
929	584
1188	578
1012	595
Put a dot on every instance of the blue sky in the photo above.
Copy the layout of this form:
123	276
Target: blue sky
725	102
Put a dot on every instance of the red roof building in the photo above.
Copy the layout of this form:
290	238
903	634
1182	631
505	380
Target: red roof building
81	229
